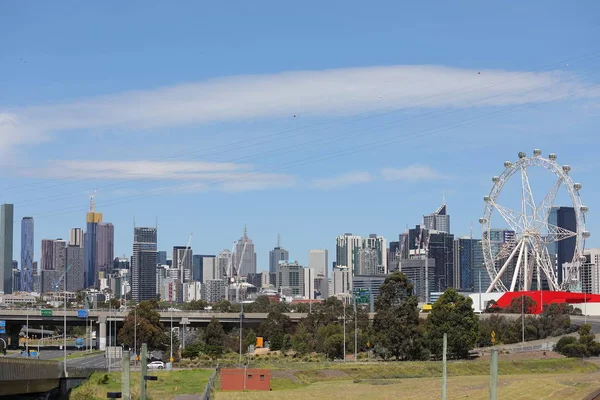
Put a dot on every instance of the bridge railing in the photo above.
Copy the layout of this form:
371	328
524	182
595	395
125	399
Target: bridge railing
13	369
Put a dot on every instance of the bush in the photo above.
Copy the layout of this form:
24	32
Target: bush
563	342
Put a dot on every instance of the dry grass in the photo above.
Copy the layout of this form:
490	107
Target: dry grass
538	387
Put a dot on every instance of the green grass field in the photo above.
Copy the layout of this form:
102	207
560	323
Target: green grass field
169	384
523	379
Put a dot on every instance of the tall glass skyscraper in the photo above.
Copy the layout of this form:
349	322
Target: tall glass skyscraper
27	254
143	264
563	250
6	247
93	218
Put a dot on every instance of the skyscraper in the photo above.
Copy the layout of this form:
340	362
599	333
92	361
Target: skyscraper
6	247
277	254
27	254
105	248
76	262
224	258
93	218
318	261
439	220
562	251
76	237
143	264
182	260
468	264
346	251
246	262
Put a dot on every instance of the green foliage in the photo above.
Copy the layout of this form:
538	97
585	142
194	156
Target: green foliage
194	305
149	330
585	346
249	339
333	346
523	304
215	338
301	342
103	380
222	306
452	314
397	327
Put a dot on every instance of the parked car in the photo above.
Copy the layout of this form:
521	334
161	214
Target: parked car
156	365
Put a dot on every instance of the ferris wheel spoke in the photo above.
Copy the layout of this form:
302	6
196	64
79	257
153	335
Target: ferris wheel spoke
513	218
545	206
528	209
556	234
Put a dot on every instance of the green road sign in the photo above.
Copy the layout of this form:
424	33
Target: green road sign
46	313
362	296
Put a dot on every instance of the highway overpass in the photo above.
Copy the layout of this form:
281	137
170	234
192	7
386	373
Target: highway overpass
22	378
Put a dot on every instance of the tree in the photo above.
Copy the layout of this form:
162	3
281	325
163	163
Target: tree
149	328
222	306
523	304
302	340
452	314
215	338
249	339
195	305
396	327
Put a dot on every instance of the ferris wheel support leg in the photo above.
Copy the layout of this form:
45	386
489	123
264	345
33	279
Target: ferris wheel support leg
503	269
526	269
517	268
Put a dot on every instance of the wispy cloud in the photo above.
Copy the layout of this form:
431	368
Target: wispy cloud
301	93
188	176
352	178
412	173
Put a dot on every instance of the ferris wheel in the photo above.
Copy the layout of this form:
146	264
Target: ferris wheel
533	232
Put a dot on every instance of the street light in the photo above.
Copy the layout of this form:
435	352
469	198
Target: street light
65	331
27	331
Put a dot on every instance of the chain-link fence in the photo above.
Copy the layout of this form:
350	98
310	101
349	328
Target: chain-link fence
208	390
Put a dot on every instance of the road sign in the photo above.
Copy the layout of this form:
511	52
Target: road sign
82	314
493	337
46	313
362	296
79	343
2	324
2	331
33	354
171	359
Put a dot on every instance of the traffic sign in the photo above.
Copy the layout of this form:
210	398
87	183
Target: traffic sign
493	337
33	354
2	324
46	313
171	359
79	343
2	331
82	314
362	296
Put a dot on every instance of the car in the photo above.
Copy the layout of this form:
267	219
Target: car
156	365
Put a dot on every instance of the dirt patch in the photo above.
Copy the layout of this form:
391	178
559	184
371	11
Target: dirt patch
334	374
521	356
285	374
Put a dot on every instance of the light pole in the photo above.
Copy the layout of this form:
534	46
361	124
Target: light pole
135	333
27	331
65	331
171	358
344	341
241	319
355	328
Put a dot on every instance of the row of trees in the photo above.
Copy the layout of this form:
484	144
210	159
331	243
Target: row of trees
396	332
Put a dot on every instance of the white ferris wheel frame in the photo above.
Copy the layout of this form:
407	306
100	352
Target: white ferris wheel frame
531	227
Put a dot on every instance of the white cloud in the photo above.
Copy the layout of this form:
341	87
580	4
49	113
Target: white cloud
412	173
187	176
352	178
301	93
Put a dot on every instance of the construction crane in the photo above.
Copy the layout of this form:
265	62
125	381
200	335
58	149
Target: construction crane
181	260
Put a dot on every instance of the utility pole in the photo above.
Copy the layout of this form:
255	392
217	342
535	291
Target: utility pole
522	321
494	375
344	330
355	328
241	325
444	371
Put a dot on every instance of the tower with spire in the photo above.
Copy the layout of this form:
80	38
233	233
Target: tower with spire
438	220
276	255
245	257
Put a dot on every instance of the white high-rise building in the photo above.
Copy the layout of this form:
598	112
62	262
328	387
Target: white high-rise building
76	237
210	269
245	257
309	283
223	260
342	281
348	249
319	261
264	279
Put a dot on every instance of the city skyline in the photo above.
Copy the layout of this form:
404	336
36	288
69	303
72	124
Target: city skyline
289	133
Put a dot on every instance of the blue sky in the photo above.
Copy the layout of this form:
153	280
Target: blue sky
308	119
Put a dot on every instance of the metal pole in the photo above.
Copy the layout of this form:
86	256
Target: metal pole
522	321
171	358
355	330
65	333
135	333
109	334
27	332
344	330
480	306
125	368
241	326
444	372
144	371
494	375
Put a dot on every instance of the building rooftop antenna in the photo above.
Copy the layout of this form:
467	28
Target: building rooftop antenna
92	202
245	230
278	240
